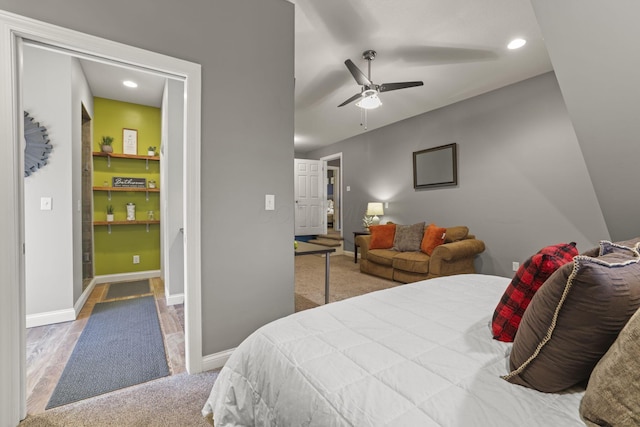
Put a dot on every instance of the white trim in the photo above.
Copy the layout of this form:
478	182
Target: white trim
51	317
77	307
325	159
216	360
125	277
175	299
192	225
12	303
13	28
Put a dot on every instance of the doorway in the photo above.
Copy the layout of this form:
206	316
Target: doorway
12	308
87	206
334	171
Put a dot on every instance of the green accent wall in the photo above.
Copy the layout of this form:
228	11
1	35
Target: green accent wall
114	251
111	117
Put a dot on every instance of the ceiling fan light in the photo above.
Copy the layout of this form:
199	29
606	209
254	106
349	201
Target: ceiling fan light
369	102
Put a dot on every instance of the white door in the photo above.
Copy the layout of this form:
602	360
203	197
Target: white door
309	193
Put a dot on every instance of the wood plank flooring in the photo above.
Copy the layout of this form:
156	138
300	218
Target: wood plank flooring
49	347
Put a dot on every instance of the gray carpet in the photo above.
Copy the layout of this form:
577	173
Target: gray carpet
171	401
128	289
120	346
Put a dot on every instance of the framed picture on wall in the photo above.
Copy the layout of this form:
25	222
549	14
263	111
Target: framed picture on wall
129	141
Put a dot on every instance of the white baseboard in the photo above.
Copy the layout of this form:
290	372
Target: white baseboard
77	307
50	317
122	277
216	361
59	316
175	299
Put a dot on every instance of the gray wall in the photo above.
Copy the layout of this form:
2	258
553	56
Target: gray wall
522	181
246	51
597	65
48	234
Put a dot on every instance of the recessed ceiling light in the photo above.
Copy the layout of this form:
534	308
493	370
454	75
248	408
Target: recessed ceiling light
516	43
129	83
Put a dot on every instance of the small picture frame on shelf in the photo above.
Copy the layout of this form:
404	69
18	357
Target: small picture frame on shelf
129	141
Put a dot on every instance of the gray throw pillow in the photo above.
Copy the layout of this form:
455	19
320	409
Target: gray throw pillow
408	237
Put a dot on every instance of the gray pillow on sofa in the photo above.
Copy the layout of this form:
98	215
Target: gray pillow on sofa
408	237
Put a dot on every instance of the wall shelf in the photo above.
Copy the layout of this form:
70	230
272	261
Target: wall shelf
125	222
127	189
125	156
133	189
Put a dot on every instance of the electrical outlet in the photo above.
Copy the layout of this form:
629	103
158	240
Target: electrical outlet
515	265
136	259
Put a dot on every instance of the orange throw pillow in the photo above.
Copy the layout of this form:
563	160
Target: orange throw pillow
433	236
382	236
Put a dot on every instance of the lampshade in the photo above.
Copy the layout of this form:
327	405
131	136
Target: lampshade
369	102
375	208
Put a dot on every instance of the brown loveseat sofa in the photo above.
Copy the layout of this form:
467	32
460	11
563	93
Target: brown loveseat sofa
455	256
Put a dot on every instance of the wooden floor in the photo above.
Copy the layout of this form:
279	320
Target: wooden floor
49	347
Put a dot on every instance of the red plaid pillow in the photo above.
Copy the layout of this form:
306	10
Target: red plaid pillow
528	279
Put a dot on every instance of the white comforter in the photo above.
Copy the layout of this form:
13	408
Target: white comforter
415	355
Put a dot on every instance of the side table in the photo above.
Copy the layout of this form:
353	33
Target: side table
355	246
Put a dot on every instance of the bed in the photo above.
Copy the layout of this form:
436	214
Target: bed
420	354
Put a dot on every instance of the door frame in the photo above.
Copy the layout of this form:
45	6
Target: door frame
324	160
13	29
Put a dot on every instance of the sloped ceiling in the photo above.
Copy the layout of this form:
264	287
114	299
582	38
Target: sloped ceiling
457	47
593	46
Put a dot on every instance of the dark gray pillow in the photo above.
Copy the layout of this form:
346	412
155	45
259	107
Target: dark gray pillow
408	237
573	319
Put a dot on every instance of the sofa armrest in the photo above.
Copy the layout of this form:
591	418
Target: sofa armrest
457	250
362	241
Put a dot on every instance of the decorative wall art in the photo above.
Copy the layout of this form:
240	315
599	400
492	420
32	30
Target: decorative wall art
37	148
129	141
435	167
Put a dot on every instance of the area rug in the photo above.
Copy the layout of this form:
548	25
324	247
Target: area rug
345	280
120	346
128	289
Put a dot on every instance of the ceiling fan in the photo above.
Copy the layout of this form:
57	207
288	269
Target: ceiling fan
368	96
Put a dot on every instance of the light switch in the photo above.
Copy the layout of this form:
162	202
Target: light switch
348	188
45	203
269	202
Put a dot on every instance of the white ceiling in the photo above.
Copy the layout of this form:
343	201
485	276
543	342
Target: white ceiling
105	81
457	47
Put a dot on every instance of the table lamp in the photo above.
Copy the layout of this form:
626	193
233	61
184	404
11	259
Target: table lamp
374	209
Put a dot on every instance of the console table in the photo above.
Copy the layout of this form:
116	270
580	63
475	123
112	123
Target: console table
355	247
312	249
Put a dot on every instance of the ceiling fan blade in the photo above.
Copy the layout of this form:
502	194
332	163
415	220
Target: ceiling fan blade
386	87
350	100
357	74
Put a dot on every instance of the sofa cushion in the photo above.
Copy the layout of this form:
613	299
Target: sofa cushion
526	282
433	236
614	386
381	256
408	237
572	321
382	236
456	233
415	262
